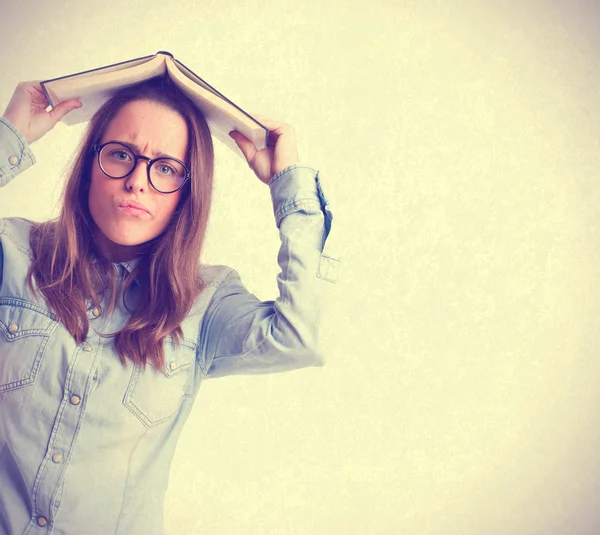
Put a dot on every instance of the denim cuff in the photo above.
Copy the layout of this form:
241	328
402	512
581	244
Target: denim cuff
297	188
15	153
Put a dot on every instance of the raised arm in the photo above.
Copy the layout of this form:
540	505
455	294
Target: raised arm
27	111
240	333
24	121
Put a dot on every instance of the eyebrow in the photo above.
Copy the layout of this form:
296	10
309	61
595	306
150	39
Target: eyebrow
155	154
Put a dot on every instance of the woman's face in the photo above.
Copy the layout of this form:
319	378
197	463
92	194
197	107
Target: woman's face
150	128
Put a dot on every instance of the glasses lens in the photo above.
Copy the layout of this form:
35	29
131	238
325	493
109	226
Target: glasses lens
116	160
167	175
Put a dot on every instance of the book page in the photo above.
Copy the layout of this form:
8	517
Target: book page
195	78
95	87
221	114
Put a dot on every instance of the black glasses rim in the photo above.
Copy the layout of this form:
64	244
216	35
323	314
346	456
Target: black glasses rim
98	148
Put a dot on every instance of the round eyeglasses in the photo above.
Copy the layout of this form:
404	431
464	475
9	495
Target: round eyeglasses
166	175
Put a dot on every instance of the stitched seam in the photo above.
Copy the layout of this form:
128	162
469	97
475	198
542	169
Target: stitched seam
24	250
15	301
127	475
205	370
56	429
82	410
17	134
131	403
129	395
25	381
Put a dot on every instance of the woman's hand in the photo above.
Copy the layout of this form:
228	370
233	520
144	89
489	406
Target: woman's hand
281	150
27	111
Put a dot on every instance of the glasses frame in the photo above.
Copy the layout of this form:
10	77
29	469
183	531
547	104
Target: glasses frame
137	158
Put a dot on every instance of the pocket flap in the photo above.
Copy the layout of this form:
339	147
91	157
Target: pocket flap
19	318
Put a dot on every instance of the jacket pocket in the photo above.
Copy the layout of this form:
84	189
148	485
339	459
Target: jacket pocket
155	396
25	329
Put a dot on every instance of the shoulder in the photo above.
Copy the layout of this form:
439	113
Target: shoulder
213	275
216	279
8	223
16	256
15	232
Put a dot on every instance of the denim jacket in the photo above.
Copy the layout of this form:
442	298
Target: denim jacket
86	444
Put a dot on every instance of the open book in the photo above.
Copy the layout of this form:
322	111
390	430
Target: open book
96	86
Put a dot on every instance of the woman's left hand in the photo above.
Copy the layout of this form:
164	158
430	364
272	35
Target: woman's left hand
281	150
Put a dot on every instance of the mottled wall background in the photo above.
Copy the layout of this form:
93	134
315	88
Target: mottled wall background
460	145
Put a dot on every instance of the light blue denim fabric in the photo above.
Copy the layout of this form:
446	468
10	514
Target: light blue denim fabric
86	445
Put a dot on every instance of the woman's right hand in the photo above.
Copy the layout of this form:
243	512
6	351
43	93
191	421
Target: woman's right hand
27	111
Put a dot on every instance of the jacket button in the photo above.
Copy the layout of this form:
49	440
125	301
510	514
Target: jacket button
75	399
42	521
57	458
96	312
87	348
14	160
13	327
172	365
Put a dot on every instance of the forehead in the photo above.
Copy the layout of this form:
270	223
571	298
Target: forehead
149	126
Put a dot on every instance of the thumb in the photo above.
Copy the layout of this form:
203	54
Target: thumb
60	110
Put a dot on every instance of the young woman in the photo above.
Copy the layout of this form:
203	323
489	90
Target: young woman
108	321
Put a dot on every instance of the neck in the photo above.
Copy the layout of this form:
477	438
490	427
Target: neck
114	251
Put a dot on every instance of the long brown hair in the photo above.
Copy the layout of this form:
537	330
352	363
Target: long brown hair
73	275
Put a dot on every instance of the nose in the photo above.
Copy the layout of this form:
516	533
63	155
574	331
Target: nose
137	180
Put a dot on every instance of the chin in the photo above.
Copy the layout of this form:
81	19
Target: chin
129	242
131	239
124	238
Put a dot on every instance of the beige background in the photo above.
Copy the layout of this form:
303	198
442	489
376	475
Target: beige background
460	147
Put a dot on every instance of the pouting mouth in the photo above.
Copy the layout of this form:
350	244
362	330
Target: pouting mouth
133	204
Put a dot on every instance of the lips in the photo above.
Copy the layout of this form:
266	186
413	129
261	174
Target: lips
133	207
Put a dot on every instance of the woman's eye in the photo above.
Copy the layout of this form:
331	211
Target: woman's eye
120	155
165	169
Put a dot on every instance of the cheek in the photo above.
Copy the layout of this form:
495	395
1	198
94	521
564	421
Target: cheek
166	206
99	194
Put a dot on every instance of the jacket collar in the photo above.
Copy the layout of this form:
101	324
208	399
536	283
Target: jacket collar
122	268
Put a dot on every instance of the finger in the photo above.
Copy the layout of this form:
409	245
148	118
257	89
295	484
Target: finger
60	110
246	146
35	92
40	100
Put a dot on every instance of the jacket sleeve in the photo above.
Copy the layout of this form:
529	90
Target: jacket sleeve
241	334
15	154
